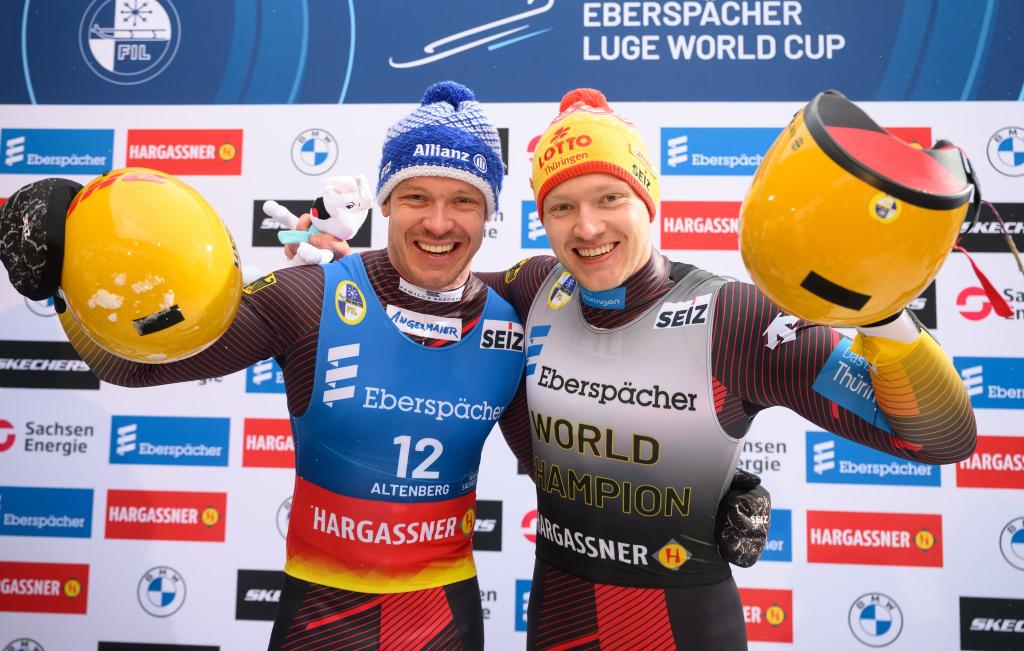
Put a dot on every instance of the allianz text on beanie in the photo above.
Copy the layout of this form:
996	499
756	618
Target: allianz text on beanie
447	135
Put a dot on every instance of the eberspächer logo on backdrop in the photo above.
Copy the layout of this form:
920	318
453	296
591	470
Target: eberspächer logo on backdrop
55	512
264	377
835	460
166	515
1011	543
57	151
534	236
768	614
875	619
714	151
522	601
207	152
268	443
779	546
314	152
161	591
991	624
997	462
44	587
129	42
43	365
1006	151
911	539
257	594
709	225
169	440
993	382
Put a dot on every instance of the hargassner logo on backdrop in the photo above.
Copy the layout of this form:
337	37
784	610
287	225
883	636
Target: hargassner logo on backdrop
997	462
706	225
209	152
714	151
314	152
993	382
874	538
875	619
987	235
161	591
834	460
768	614
166	515
43	365
54	512
169	441
991	623
1006	151
57	151
44	587
487	529
257	594
129	42
264	377
268	443
533	236
779	546
522	601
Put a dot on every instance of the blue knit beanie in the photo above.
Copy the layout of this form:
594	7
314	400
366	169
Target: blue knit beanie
449	136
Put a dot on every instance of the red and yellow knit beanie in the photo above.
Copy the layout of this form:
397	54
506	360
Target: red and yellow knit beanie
588	137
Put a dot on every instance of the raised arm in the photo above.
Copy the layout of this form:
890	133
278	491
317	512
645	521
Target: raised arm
901	397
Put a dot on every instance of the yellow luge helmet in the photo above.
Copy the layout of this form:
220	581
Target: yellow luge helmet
844	223
150	271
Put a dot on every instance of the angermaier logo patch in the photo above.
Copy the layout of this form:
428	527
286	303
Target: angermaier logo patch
683	313
502	335
425	325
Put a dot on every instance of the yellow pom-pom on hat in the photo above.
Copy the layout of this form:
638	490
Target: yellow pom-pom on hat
588	137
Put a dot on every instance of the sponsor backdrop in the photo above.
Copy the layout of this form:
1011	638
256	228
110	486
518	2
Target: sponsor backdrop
155	518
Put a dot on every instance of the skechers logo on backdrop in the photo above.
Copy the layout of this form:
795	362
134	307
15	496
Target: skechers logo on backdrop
425	325
624	393
835	460
991	623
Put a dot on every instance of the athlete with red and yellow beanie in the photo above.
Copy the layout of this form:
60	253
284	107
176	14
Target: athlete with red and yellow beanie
644	375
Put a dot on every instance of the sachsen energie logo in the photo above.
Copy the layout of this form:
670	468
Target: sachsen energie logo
212	152
997	462
768	614
169	441
55	512
874	538
268	443
57	151
834	460
44	587
166	515
993	382
700	225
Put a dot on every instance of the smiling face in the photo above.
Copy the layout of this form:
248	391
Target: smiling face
435	226
598	228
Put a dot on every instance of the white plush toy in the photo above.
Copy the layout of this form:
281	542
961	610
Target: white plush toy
348	200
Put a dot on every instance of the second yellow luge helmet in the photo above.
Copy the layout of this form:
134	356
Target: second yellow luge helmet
150	271
844	223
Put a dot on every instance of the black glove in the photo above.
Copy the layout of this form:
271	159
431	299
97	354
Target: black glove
744	514
32	235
